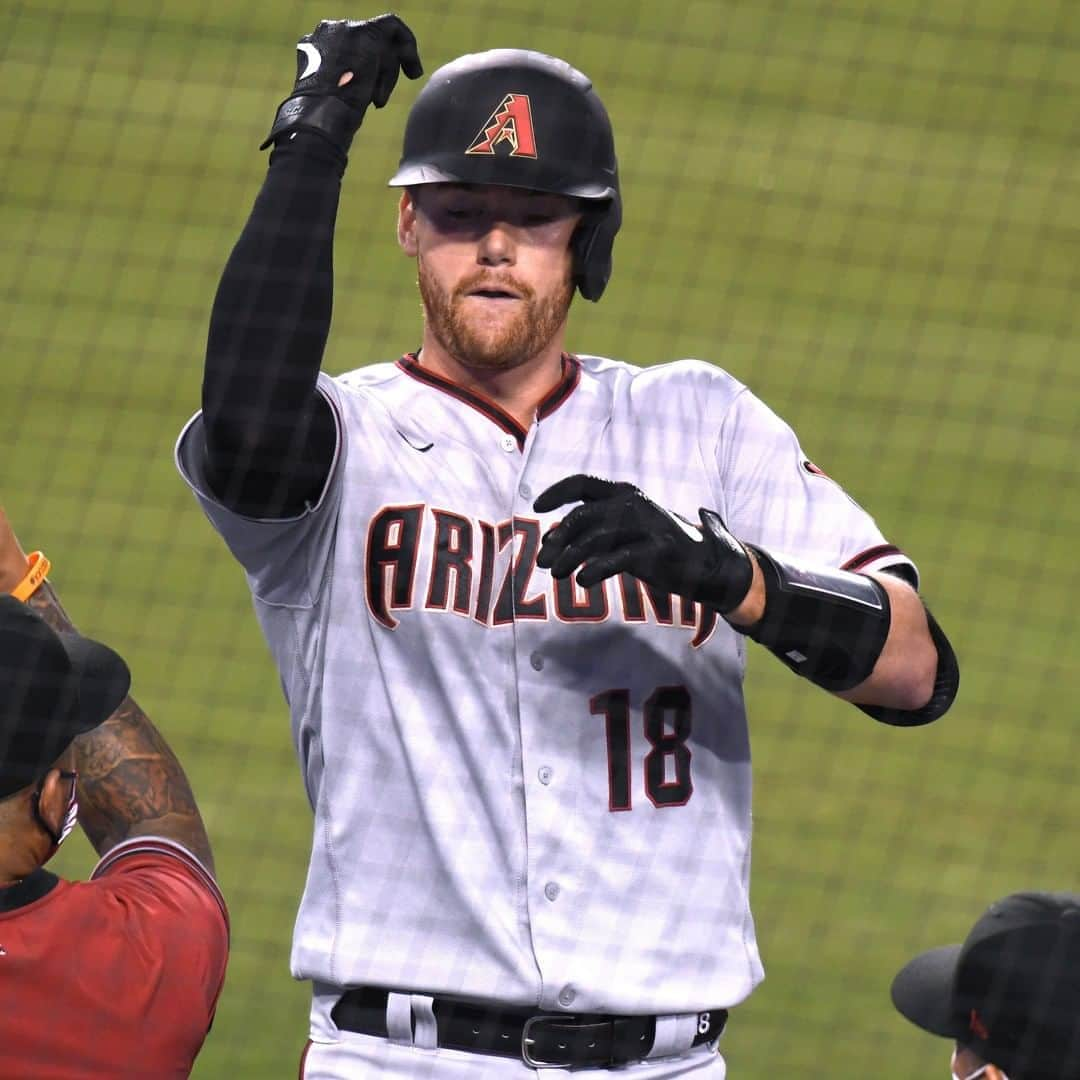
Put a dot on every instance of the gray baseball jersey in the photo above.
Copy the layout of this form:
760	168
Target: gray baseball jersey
525	791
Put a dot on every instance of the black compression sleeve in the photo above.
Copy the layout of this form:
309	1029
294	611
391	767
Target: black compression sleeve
269	434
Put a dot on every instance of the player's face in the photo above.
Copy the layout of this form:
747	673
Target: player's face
966	1065
494	268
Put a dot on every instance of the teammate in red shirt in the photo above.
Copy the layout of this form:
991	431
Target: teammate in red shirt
118	976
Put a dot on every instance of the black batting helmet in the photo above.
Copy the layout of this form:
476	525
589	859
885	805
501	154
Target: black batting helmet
519	118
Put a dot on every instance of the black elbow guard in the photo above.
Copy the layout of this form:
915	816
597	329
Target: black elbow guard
946	684
827	625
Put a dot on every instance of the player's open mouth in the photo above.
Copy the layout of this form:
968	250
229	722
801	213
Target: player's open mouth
494	294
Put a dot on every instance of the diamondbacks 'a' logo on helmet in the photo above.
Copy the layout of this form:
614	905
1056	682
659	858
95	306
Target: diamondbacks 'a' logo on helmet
510	123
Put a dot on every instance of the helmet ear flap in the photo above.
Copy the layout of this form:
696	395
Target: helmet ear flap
592	245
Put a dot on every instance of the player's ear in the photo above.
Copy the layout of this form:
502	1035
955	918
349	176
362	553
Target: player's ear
406	224
52	801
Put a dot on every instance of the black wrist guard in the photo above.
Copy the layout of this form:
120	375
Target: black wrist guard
827	625
325	115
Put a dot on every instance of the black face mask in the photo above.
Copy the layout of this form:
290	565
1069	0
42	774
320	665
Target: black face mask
71	814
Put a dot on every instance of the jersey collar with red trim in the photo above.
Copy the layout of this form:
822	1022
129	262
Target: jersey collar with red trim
568	381
32	888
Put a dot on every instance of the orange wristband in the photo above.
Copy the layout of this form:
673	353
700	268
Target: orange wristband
37	566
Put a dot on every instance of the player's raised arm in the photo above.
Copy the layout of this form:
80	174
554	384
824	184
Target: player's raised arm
135	958
269	435
130	782
867	638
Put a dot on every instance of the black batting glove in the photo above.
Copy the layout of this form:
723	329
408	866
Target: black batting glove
373	50
618	528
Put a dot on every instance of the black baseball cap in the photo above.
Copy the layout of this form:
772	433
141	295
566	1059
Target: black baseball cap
1011	991
53	687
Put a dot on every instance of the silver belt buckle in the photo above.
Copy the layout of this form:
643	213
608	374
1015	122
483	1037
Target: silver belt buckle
526	1043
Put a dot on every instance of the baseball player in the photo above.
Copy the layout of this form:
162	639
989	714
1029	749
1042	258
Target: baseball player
118	976
515	679
1008	997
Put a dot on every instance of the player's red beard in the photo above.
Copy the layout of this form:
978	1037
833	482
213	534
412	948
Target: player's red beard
509	346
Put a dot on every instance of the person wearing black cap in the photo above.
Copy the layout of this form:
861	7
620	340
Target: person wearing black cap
1009	996
118	976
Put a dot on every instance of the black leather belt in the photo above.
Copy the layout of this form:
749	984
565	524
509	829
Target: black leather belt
539	1039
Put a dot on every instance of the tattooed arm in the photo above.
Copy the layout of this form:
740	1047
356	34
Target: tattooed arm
130	782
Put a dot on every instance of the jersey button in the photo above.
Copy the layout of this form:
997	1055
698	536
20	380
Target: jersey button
537	661
567	995
525	491
508	443
551	890
544	774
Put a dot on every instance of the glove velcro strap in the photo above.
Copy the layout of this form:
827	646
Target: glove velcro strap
325	114
827	625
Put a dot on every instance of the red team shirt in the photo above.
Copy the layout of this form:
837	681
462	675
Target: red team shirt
113	977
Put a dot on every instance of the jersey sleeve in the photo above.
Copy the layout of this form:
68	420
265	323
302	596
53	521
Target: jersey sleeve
285	559
167	909
777	498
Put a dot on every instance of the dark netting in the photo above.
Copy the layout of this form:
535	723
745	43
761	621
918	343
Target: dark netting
867	210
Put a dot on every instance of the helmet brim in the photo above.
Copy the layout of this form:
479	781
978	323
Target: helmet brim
414	175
